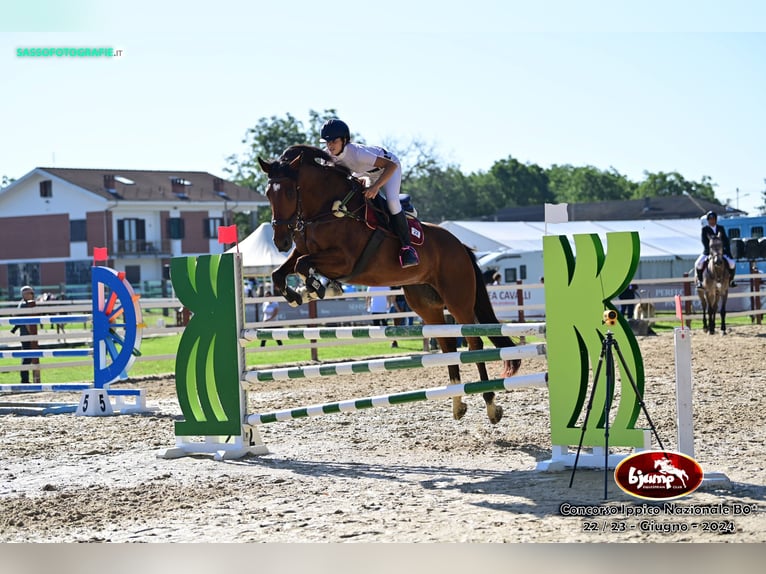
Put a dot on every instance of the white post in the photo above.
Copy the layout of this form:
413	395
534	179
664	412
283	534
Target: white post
684	411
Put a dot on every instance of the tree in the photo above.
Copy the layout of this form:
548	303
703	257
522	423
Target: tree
663	184
511	183
442	193
267	140
570	184
6	181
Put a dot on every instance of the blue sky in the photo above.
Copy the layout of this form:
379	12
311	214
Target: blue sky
655	86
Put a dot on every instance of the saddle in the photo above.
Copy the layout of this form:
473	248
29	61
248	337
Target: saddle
377	216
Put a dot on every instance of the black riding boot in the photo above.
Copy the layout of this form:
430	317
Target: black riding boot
699	278
408	257
732	273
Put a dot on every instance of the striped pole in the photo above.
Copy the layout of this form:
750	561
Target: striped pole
395	363
397	332
45	319
436	393
63	387
42	354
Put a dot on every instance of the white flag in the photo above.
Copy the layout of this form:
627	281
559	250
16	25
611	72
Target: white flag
556	213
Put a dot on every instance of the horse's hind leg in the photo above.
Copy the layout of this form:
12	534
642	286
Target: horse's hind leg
427	304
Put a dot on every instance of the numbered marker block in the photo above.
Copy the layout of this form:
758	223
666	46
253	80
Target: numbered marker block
94	403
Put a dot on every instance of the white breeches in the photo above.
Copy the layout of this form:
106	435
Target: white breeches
391	192
700	263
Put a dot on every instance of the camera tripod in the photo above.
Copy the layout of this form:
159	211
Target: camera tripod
607	344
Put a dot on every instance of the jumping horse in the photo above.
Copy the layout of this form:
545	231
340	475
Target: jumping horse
320	208
715	287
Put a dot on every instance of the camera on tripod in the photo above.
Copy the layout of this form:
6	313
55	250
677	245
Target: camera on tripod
610	317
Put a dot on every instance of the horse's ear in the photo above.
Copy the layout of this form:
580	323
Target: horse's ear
296	162
266	167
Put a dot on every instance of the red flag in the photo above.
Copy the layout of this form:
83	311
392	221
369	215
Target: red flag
679	312
227	234
100	254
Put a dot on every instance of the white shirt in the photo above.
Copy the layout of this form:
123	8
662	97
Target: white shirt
270	310
378	303
360	159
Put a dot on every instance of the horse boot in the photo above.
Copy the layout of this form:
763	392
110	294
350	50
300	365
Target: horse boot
408	257
732	273
699	278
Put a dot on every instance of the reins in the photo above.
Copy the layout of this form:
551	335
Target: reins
297	222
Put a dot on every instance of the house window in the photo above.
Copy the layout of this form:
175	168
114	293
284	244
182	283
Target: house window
46	188
77	230
212	224
734	233
133	274
78	272
756	231
510	275
522	272
175	228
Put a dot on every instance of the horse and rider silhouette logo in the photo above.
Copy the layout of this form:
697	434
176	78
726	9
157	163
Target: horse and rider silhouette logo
658	475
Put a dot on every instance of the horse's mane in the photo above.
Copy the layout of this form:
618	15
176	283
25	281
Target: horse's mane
313	156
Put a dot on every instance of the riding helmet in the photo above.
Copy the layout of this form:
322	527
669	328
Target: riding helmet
711	214
335	128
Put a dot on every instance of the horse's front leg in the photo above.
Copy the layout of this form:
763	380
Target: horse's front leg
279	280
306	268
723	316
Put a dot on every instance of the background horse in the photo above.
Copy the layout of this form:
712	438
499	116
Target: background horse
715	286
320	208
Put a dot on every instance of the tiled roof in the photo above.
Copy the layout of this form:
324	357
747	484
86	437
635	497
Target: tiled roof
155	185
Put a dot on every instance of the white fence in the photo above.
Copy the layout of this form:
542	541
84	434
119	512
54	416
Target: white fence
512	303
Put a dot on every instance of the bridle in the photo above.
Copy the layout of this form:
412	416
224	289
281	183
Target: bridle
297	222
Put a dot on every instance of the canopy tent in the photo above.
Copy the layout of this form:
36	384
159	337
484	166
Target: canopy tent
660	239
259	254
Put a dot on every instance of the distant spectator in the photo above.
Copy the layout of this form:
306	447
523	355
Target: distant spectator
399	305
377	305
496	279
270	311
27	300
627	308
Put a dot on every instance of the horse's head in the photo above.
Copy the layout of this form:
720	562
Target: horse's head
282	193
716	253
301	182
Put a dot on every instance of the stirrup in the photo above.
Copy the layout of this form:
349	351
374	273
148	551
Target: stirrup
408	257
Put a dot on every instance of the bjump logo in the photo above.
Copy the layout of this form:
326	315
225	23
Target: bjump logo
658	475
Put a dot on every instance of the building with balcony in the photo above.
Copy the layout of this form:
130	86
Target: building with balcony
51	220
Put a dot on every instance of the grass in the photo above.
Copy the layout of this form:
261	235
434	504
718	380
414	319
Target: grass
168	345
272	354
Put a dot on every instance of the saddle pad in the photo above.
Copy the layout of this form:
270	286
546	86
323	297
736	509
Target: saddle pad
373	221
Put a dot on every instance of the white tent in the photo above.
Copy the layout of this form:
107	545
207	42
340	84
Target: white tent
259	254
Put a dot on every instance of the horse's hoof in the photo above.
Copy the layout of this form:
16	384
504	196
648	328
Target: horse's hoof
293	298
334	289
497	415
460	411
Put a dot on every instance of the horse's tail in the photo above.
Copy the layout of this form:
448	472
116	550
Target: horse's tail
485	313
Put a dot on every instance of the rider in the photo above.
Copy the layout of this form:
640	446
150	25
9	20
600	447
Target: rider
708	231
385	174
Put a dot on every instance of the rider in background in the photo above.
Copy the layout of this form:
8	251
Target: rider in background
709	231
384	172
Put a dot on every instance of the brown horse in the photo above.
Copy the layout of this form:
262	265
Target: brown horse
320	208
715	286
